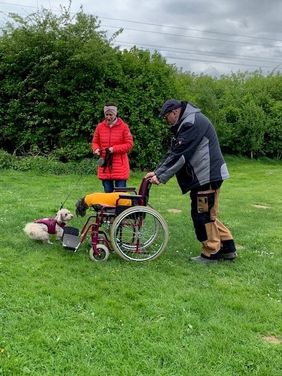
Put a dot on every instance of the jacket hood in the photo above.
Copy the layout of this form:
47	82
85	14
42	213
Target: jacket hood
118	121
186	116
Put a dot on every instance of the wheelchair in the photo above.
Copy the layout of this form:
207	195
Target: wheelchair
136	232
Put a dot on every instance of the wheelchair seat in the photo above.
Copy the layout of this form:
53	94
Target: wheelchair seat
107	210
116	201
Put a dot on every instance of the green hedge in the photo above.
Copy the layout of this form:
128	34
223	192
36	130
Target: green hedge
46	165
57	71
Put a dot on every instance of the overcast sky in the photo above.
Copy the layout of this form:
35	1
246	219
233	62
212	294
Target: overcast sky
200	36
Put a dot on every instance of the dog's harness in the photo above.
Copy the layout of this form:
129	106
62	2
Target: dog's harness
51	224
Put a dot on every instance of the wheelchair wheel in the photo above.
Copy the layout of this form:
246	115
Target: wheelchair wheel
139	233
102	254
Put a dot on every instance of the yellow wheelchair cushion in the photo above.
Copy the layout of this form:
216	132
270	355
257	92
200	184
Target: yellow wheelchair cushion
106	199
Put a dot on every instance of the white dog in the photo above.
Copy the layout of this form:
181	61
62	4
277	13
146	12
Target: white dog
40	229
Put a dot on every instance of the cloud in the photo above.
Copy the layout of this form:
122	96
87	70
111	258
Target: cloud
196	35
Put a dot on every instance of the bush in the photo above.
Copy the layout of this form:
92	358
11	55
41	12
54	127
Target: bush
57	72
64	70
73	152
41	164
6	160
87	166
47	165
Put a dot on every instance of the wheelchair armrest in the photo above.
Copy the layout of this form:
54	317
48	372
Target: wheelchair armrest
134	199
124	189
130	197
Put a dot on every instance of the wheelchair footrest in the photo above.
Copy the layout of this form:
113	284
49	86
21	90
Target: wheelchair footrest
71	238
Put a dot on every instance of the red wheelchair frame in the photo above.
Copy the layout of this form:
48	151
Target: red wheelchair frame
136	232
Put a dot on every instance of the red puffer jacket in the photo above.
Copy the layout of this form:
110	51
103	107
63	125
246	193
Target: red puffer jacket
118	137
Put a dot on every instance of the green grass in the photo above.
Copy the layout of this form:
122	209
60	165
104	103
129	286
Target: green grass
63	314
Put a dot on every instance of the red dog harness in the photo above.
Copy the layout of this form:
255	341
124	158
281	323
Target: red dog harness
51	224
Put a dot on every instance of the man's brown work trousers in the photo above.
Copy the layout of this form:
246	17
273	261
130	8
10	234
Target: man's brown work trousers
204	211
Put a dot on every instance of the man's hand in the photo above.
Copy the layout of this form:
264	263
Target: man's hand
155	180
149	175
97	151
152	177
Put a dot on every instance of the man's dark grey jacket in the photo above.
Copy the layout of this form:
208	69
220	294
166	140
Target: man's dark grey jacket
195	156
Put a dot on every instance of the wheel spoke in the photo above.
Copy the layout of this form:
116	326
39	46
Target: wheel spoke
139	234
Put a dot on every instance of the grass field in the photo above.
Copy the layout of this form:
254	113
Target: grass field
63	314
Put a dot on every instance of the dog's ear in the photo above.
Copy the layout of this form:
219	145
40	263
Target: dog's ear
59	217
81	207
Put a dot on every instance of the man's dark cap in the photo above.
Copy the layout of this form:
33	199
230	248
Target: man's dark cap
169	105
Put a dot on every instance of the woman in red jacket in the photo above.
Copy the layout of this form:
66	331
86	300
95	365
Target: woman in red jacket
112	141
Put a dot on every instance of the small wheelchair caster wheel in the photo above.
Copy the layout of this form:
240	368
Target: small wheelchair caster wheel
102	253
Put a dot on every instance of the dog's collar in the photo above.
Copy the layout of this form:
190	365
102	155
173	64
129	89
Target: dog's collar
62	224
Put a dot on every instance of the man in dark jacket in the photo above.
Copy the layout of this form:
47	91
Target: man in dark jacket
196	160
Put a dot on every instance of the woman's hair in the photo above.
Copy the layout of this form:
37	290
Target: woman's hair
111	104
